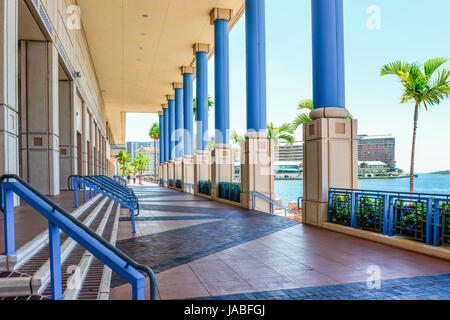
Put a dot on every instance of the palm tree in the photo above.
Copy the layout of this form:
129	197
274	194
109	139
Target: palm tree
236	137
420	88
302	118
154	134
210	105
140	164
211	144
124	159
283	133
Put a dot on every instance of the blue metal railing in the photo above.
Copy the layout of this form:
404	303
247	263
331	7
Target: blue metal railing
171	184
178	184
417	216
121	180
109	188
230	191
60	220
273	204
204	187
108	185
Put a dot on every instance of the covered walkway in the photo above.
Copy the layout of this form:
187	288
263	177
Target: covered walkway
205	249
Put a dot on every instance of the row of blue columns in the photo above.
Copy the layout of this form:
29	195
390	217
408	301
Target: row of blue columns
328	77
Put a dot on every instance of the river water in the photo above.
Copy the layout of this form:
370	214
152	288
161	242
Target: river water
425	183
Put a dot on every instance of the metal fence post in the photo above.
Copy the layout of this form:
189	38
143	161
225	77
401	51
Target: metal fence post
437	211
330	200
55	261
253	201
139	289
75	192
429	221
385	214
84	191
8	224
391	216
353	222
133	219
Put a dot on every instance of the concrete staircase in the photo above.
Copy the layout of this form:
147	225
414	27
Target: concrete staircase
26	275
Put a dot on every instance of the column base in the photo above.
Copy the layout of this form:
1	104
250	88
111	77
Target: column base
171	174
165	172
188	174
330	161
257	171
178	183
222	167
202	168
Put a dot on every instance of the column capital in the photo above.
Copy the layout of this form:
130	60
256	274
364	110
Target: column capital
165	106
202	47
221	14
170	97
160	113
177	85
187	69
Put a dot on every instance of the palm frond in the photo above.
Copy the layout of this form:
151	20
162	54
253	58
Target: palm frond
395	68
439	89
432	65
301	119
306	104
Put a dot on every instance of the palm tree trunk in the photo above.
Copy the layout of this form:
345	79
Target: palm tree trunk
413	150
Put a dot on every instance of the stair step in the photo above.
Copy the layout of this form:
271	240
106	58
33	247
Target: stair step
42	277
97	282
37	267
13	284
23	298
28	250
87	258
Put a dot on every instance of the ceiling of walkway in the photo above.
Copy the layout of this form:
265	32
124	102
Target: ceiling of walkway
138	47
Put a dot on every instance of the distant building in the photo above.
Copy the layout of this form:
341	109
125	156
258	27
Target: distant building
377	148
288	169
373	167
288	152
149	153
132	146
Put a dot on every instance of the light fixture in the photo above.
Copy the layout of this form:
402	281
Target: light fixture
77	74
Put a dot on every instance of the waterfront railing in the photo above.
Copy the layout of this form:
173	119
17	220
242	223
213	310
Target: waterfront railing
416	216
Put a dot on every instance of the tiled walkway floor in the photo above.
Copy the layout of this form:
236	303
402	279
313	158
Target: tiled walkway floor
203	249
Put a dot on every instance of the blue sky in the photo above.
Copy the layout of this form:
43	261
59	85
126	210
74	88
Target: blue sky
411	30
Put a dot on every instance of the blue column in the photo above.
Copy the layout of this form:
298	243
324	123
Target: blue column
328	53
179	146
171	136
255	31
222	80
202	100
161	138
166	135
188	98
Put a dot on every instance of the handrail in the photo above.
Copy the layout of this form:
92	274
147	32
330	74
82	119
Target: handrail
120	179
116	251
273	203
123	193
119	188
126	203
391	192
